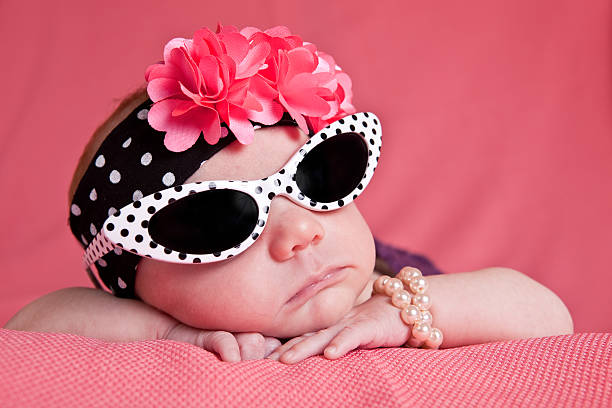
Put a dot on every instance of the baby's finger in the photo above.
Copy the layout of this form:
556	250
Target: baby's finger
310	346
252	345
222	343
349	338
272	343
281	349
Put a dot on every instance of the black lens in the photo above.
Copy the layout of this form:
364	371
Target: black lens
333	168
206	222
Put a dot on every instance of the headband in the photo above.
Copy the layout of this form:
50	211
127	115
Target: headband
208	92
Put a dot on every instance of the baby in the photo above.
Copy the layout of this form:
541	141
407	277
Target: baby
216	207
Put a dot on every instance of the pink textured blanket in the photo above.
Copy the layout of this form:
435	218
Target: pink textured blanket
50	370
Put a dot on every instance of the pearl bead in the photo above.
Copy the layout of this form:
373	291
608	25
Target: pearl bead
410	314
422	301
418	284
426	317
416	314
421	331
435	339
379	284
401	299
393	285
407	273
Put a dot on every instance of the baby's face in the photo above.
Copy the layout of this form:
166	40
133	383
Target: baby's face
257	290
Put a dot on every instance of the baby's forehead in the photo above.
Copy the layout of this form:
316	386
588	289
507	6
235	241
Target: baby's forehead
268	153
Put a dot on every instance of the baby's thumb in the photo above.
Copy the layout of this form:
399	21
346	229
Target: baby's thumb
220	342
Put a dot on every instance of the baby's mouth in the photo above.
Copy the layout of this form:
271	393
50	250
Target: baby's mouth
319	282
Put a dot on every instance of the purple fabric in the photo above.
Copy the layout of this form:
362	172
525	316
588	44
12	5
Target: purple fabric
397	258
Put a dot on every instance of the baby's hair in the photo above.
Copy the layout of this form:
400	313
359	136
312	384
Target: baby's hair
126	105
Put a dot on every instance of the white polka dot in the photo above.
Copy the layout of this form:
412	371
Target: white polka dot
83	240
118	250
93	230
111	211
146	158
75	210
102	263
201	164
142	114
137	195
127	142
115	177
93	195
100	161
121	283
168	179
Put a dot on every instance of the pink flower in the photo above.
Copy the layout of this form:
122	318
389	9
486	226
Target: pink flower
236	77
290	71
204	81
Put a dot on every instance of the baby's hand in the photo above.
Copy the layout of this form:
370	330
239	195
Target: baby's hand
231	347
374	323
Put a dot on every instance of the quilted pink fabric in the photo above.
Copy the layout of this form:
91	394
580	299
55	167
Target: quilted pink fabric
60	370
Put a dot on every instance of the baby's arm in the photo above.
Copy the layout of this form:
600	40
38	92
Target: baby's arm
94	313
495	304
492	304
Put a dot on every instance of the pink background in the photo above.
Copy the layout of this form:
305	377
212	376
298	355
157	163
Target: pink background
497	126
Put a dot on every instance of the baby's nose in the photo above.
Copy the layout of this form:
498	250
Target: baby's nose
291	228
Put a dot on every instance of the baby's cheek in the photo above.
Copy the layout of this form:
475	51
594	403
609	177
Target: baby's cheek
163	286
332	306
148	282
222	308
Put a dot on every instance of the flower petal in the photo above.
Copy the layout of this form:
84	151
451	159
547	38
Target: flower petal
208	40
182	131
278	31
212	84
240	126
182	107
300	60
186	69
222	109
160	71
211	126
251	103
262	88
181	140
249	31
162	88
253	61
173	44
236	46
271	113
294	114
303	98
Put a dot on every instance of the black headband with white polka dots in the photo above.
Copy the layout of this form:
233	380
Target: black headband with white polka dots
132	162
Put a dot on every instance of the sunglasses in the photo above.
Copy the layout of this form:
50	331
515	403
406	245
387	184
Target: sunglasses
210	221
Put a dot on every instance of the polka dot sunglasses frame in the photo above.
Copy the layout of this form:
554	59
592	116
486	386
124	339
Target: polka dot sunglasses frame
129	227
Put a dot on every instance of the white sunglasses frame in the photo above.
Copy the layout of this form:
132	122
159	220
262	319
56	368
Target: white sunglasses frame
124	230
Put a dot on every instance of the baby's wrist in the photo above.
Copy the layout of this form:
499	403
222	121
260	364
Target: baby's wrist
398	331
408	292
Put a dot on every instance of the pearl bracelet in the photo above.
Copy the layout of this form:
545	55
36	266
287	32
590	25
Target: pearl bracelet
414	306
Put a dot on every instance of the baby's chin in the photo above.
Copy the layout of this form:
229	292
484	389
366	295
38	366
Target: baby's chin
320	312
